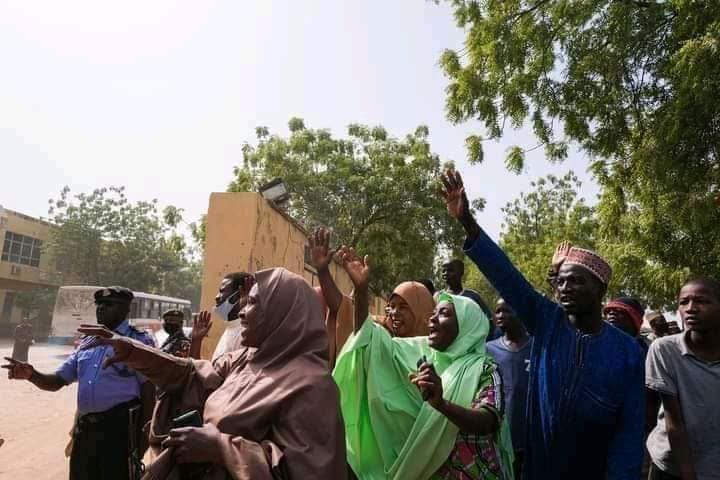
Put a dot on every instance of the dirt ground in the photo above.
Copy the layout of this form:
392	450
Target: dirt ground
35	424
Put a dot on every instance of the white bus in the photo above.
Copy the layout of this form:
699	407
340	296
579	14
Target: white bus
75	305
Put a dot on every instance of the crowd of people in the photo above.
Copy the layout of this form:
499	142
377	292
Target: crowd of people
304	383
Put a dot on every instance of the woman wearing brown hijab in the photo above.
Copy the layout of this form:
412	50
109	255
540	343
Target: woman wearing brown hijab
267	410
408	310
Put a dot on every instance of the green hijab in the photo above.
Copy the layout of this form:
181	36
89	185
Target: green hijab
391	433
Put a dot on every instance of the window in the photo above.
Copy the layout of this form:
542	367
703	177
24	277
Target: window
21	249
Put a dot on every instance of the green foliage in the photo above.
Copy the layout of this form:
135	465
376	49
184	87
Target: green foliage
101	238
376	192
536	222
635	84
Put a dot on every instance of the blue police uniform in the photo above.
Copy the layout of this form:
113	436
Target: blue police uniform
107	429
99	388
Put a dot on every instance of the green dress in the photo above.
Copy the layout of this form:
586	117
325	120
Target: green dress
391	433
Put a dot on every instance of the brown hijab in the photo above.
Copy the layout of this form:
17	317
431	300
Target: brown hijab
421	304
275	406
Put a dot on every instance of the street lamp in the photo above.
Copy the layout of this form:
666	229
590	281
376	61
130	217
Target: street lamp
276	191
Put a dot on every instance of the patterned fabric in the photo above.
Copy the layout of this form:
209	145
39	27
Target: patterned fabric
590	261
475	456
177	344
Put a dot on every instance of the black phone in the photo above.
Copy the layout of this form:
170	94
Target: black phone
425	394
189	419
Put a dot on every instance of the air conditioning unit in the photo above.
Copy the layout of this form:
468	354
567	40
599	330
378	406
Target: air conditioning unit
15	270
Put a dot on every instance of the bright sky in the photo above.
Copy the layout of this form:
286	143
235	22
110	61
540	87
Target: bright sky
160	96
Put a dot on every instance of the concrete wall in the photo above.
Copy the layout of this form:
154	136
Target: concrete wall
24	277
247	233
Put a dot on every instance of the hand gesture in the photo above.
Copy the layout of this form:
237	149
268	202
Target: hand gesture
18	370
454	193
358	268
320	253
561	252
102	336
201	325
195	444
429	383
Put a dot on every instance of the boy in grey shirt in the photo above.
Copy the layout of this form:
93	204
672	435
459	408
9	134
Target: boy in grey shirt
685	371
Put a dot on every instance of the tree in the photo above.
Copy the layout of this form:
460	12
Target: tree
536	222
375	192
635	84
101	238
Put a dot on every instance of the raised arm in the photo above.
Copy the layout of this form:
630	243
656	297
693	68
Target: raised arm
490	259
321	255
359	271
200	329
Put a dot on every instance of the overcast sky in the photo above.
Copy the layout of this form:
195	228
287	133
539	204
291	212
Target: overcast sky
159	96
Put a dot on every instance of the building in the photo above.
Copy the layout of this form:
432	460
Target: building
24	266
247	233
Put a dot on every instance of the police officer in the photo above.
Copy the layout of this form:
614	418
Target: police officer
177	343
110	400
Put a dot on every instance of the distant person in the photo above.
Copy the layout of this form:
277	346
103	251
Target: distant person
23	340
452	273
177	343
512	354
585	412
112	403
685	371
626	314
673	328
658	324
230	300
428	284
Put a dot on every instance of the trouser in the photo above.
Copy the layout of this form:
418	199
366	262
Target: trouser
657	474
101	445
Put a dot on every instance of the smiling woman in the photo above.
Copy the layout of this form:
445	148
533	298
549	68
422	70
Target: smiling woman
423	407
265	408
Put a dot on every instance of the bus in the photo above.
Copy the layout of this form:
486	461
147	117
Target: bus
75	305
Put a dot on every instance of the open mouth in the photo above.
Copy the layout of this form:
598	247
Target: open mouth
397	324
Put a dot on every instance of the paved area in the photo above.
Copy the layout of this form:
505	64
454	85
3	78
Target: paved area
35	424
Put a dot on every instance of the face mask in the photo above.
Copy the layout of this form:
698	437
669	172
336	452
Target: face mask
223	310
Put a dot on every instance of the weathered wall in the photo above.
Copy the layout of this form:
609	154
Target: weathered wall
247	233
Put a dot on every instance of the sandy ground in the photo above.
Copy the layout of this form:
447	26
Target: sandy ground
35	424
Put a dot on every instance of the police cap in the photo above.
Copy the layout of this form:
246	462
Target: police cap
114	294
173	313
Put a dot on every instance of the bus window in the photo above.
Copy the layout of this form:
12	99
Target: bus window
155	309
134	308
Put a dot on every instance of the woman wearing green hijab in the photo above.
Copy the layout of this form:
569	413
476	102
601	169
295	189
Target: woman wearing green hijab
423	407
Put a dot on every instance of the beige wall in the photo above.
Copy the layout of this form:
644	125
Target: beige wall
246	233
18	277
24	277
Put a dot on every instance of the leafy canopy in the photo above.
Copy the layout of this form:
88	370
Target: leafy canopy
100	238
635	84
377	193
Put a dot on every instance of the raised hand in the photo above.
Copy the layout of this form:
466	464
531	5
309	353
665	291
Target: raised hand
320	253
357	268
201	325
18	370
454	193
123	346
561	252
